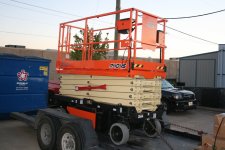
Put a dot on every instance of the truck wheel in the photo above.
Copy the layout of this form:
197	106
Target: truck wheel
166	107
152	128
46	133
70	137
119	133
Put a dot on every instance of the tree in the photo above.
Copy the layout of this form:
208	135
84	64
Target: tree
79	39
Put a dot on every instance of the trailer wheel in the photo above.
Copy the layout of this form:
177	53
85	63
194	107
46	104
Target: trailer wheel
152	128
70	137
119	133
46	133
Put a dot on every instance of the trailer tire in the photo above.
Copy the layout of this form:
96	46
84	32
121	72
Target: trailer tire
46	133
70	137
152	128
119	133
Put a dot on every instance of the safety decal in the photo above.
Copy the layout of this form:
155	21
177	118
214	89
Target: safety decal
44	69
138	66
160	67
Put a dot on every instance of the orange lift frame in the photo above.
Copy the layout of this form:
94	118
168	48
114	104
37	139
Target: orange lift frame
151	38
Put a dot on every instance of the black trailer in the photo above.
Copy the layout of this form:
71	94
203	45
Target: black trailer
57	129
75	120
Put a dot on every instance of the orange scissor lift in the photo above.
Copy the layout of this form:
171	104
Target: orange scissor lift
117	93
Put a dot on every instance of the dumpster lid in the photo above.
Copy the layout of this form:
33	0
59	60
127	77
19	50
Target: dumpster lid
13	56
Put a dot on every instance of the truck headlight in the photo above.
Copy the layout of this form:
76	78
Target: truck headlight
177	96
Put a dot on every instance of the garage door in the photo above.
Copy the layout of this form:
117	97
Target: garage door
205	73
187	72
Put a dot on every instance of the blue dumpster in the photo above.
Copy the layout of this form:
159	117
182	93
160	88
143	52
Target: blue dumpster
23	83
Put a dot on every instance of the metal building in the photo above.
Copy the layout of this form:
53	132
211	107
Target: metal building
203	70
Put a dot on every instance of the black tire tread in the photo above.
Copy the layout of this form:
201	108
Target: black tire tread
125	131
76	131
52	144
157	127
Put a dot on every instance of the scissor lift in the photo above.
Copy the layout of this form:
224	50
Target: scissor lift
121	93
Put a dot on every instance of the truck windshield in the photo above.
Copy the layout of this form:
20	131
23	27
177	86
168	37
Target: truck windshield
166	85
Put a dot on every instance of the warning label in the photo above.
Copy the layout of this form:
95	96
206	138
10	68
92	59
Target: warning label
44	69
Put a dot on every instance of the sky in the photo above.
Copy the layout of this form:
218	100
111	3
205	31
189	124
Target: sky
38	29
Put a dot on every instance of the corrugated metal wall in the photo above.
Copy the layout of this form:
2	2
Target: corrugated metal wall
199	70
205	76
221	67
187	72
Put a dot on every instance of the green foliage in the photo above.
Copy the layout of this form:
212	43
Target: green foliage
79	39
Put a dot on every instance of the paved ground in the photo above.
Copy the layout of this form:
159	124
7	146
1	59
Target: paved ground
201	119
15	135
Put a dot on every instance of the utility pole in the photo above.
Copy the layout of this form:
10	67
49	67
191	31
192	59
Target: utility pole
116	33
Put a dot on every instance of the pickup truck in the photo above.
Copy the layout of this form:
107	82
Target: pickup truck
175	99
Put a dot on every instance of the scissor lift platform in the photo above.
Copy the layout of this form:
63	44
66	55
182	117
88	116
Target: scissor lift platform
135	35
